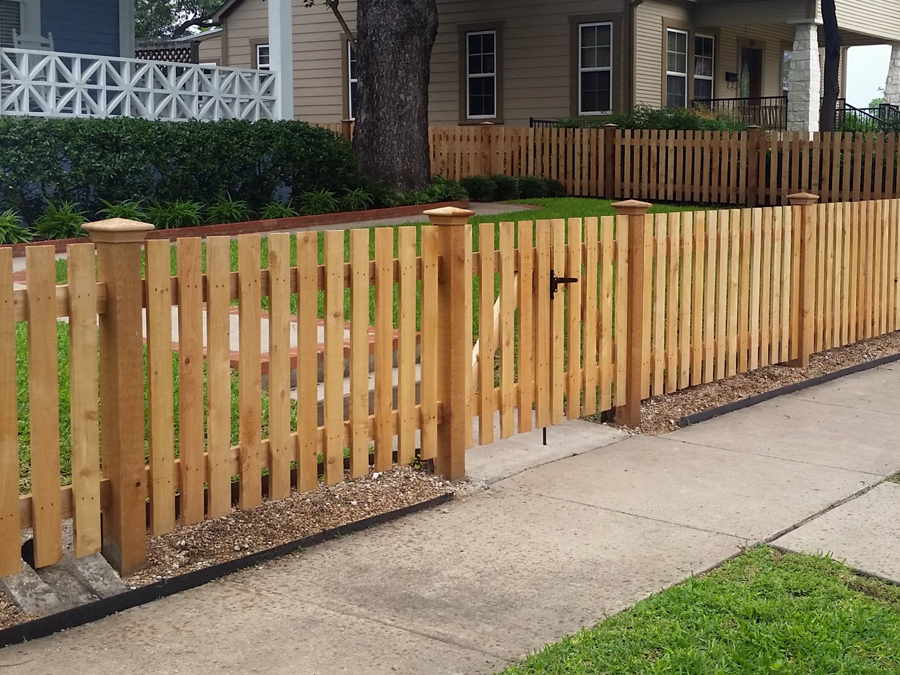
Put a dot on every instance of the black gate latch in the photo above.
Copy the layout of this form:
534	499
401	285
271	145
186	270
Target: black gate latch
555	281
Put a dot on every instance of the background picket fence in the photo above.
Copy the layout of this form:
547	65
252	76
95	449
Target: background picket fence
663	302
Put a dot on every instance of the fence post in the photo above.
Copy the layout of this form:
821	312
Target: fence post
454	348
807	300
119	244
629	413
487	149
752	164
609	161
347	130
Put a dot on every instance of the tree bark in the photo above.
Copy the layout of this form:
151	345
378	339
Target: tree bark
394	42
832	71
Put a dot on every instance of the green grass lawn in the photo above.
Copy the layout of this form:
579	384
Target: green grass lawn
764	612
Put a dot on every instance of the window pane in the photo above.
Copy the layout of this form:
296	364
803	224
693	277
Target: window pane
703	66
676	91
702	89
703	46
354	97
596	91
481	97
352	61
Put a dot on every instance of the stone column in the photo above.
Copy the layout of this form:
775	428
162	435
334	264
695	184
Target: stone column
281	55
892	84
804	80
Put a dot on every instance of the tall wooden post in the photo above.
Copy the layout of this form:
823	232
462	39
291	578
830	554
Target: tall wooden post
752	165
609	161
347	130
629	413
454	348
487	148
807	294
119	244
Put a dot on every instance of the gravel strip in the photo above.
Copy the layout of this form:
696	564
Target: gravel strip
661	414
242	533
10	615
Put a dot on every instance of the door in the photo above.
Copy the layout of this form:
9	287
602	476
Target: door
751	72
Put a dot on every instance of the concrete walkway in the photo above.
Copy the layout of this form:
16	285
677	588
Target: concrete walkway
598	522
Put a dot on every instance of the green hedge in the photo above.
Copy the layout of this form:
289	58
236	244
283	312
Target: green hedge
85	160
645	117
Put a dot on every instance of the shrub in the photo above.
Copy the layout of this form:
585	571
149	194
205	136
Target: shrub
646	117
171	215
121	159
274	210
417	197
318	202
228	210
554	188
11	230
506	188
60	222
531	187
130	210
479	188
356	199
445	190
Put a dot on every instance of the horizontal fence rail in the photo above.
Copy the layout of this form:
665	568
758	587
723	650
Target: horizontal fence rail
384	349
59	85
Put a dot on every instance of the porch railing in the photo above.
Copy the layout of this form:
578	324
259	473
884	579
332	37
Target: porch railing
56	84
765	111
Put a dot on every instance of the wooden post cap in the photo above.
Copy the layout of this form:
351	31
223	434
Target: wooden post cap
631	207
117	230
610	126
449	215
803	199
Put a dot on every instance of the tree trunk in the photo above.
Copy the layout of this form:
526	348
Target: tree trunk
832	66
394	41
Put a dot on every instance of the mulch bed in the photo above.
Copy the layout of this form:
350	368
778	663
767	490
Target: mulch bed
661	414
242	533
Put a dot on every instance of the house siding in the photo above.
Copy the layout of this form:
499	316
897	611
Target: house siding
648	75
82	26
210	50
879	19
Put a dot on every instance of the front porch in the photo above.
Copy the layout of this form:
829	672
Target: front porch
51	84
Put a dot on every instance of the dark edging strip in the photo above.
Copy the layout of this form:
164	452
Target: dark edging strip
706	415
79	616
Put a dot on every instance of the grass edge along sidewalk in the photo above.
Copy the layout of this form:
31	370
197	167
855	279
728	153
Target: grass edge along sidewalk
760	613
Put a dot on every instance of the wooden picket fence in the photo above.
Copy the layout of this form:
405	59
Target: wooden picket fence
663	302
752	168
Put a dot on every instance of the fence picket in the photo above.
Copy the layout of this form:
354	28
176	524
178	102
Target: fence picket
765	334
43	396
359	352
573	318
659	304
280	450
542	321
525	245
755	272
606	334
190	379
698	292
722	293
406	346
673	296
486	339
747	216
709	307
591	323
10	551
777	258
84	393
334	357
429	343
621	307
249	374
384	334
218	374
684	328
558	323
734	256
507	335
307	361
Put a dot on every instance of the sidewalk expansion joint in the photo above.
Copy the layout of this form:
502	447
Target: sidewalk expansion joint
844	406
629	513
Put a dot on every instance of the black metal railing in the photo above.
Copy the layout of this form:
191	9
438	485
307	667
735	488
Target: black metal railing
535	123
884	117
764	111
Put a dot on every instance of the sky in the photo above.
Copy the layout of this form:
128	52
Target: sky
866	71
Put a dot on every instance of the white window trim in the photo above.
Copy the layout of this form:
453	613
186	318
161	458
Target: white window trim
350	82
470	76
30	17
710	78
684	75
581	69
259	66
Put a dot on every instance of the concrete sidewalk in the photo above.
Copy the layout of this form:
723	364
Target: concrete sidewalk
474	586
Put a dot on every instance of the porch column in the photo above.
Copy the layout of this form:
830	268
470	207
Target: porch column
281	55
804	80
892	84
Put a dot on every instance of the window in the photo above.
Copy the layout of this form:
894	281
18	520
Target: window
704	67
352	82
594	68
676	68
10	19
786	56
481	75
262	57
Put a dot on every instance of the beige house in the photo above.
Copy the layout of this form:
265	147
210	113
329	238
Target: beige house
508	61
